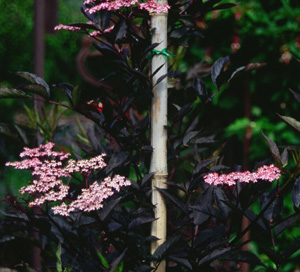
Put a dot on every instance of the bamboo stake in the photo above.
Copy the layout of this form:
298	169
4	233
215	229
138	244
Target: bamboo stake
158	131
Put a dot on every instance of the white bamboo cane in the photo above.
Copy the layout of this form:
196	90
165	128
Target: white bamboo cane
158	130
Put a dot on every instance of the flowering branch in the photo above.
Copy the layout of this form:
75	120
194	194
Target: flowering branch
47	170
266	172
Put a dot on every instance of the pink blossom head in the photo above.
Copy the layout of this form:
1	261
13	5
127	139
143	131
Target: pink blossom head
266	173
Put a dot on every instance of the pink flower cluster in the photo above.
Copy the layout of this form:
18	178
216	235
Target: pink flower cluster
150	6
92	198
112	5
47	170
266	172
67	27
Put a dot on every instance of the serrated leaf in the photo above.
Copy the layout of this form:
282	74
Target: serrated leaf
296	95
160	79
148	177
35	79
108	208
220	199
217	68
36	89
187	137
140	221
203	164
208	235
116	262
181	261
120	30
203	207
296	193
6	92
105	16
216	254
173	198
91	17
274	210
291	121
163	249
284	157
244	256
200	89
273	148
235	72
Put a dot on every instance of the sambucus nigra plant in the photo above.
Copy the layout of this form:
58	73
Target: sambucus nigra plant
204	221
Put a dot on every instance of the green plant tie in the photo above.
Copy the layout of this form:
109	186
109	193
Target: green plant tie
160	52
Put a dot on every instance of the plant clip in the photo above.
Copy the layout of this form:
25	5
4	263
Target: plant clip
161	52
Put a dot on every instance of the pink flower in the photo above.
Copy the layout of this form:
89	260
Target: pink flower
152	7
48	169
266	172
66	27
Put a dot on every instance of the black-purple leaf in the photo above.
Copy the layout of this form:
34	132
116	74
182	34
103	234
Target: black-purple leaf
165	247
225	6
217	68
291	121
6	92
200	89
183	112
35	79
235	72
296	193
120	30
144	268
220	199
216	254
208	235
181	261
36	89
178	32
174	199
252	216
160	79
203	207
243	256
276	257
296	95
285	224
137	222
91	17
291	250
203	164
67	89
117	261
108	208
147	178
275	208
150	48
284	157
273	148
190	135
105	17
